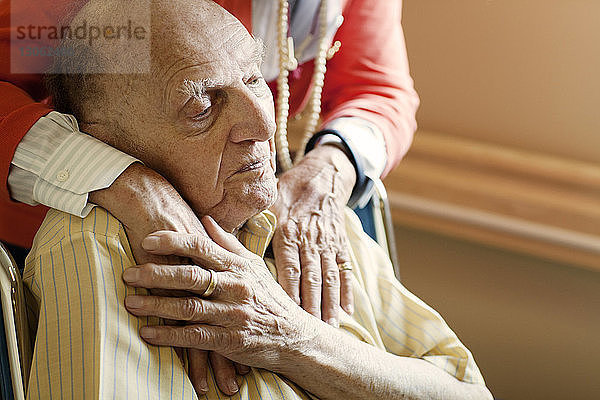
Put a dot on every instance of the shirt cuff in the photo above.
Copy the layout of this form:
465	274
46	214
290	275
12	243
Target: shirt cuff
67	164
20	185
362	182
366	141
366	144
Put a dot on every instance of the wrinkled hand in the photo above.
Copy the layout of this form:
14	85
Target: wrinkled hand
224	370
248	318
144	202
310	240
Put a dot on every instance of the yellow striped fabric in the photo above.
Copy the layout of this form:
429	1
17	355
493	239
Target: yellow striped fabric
87	345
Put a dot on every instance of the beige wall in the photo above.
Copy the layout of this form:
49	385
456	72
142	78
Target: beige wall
532	325
517	72
522	73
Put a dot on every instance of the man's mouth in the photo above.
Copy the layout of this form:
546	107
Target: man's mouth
253	165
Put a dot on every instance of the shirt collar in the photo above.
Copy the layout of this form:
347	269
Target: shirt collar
257	232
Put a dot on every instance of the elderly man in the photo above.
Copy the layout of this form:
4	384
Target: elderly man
203	118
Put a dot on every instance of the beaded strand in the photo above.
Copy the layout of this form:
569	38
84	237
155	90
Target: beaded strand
283	89
318	80
287	63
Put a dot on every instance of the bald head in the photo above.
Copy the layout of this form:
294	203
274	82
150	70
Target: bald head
146	37
122	34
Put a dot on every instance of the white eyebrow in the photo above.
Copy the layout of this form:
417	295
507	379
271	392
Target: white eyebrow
258	52
197	89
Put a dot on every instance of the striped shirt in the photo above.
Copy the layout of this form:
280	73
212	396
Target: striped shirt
87	345
57	165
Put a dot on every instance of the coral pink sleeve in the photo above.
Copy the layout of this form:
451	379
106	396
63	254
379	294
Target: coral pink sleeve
369	77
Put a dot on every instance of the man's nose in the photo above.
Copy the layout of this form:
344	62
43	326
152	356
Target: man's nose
252	117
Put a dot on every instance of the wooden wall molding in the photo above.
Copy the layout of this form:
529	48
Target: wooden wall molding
494	195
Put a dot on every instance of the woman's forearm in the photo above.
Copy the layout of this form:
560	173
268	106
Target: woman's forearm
333	365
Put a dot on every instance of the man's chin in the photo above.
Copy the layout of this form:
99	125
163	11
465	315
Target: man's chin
261	194
242	202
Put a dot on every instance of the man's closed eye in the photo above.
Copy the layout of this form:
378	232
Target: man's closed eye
201	112
204	114
258	86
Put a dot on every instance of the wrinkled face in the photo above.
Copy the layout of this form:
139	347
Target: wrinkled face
204	118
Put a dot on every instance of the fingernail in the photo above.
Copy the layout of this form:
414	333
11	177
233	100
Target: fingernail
233	386
148	332
203	385
151	243
207	220
133	301
333	322
244	369
131	275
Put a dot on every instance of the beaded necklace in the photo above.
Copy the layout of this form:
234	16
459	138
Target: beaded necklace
287	63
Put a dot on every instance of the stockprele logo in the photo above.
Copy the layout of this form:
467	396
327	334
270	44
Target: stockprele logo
39	46
82	32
